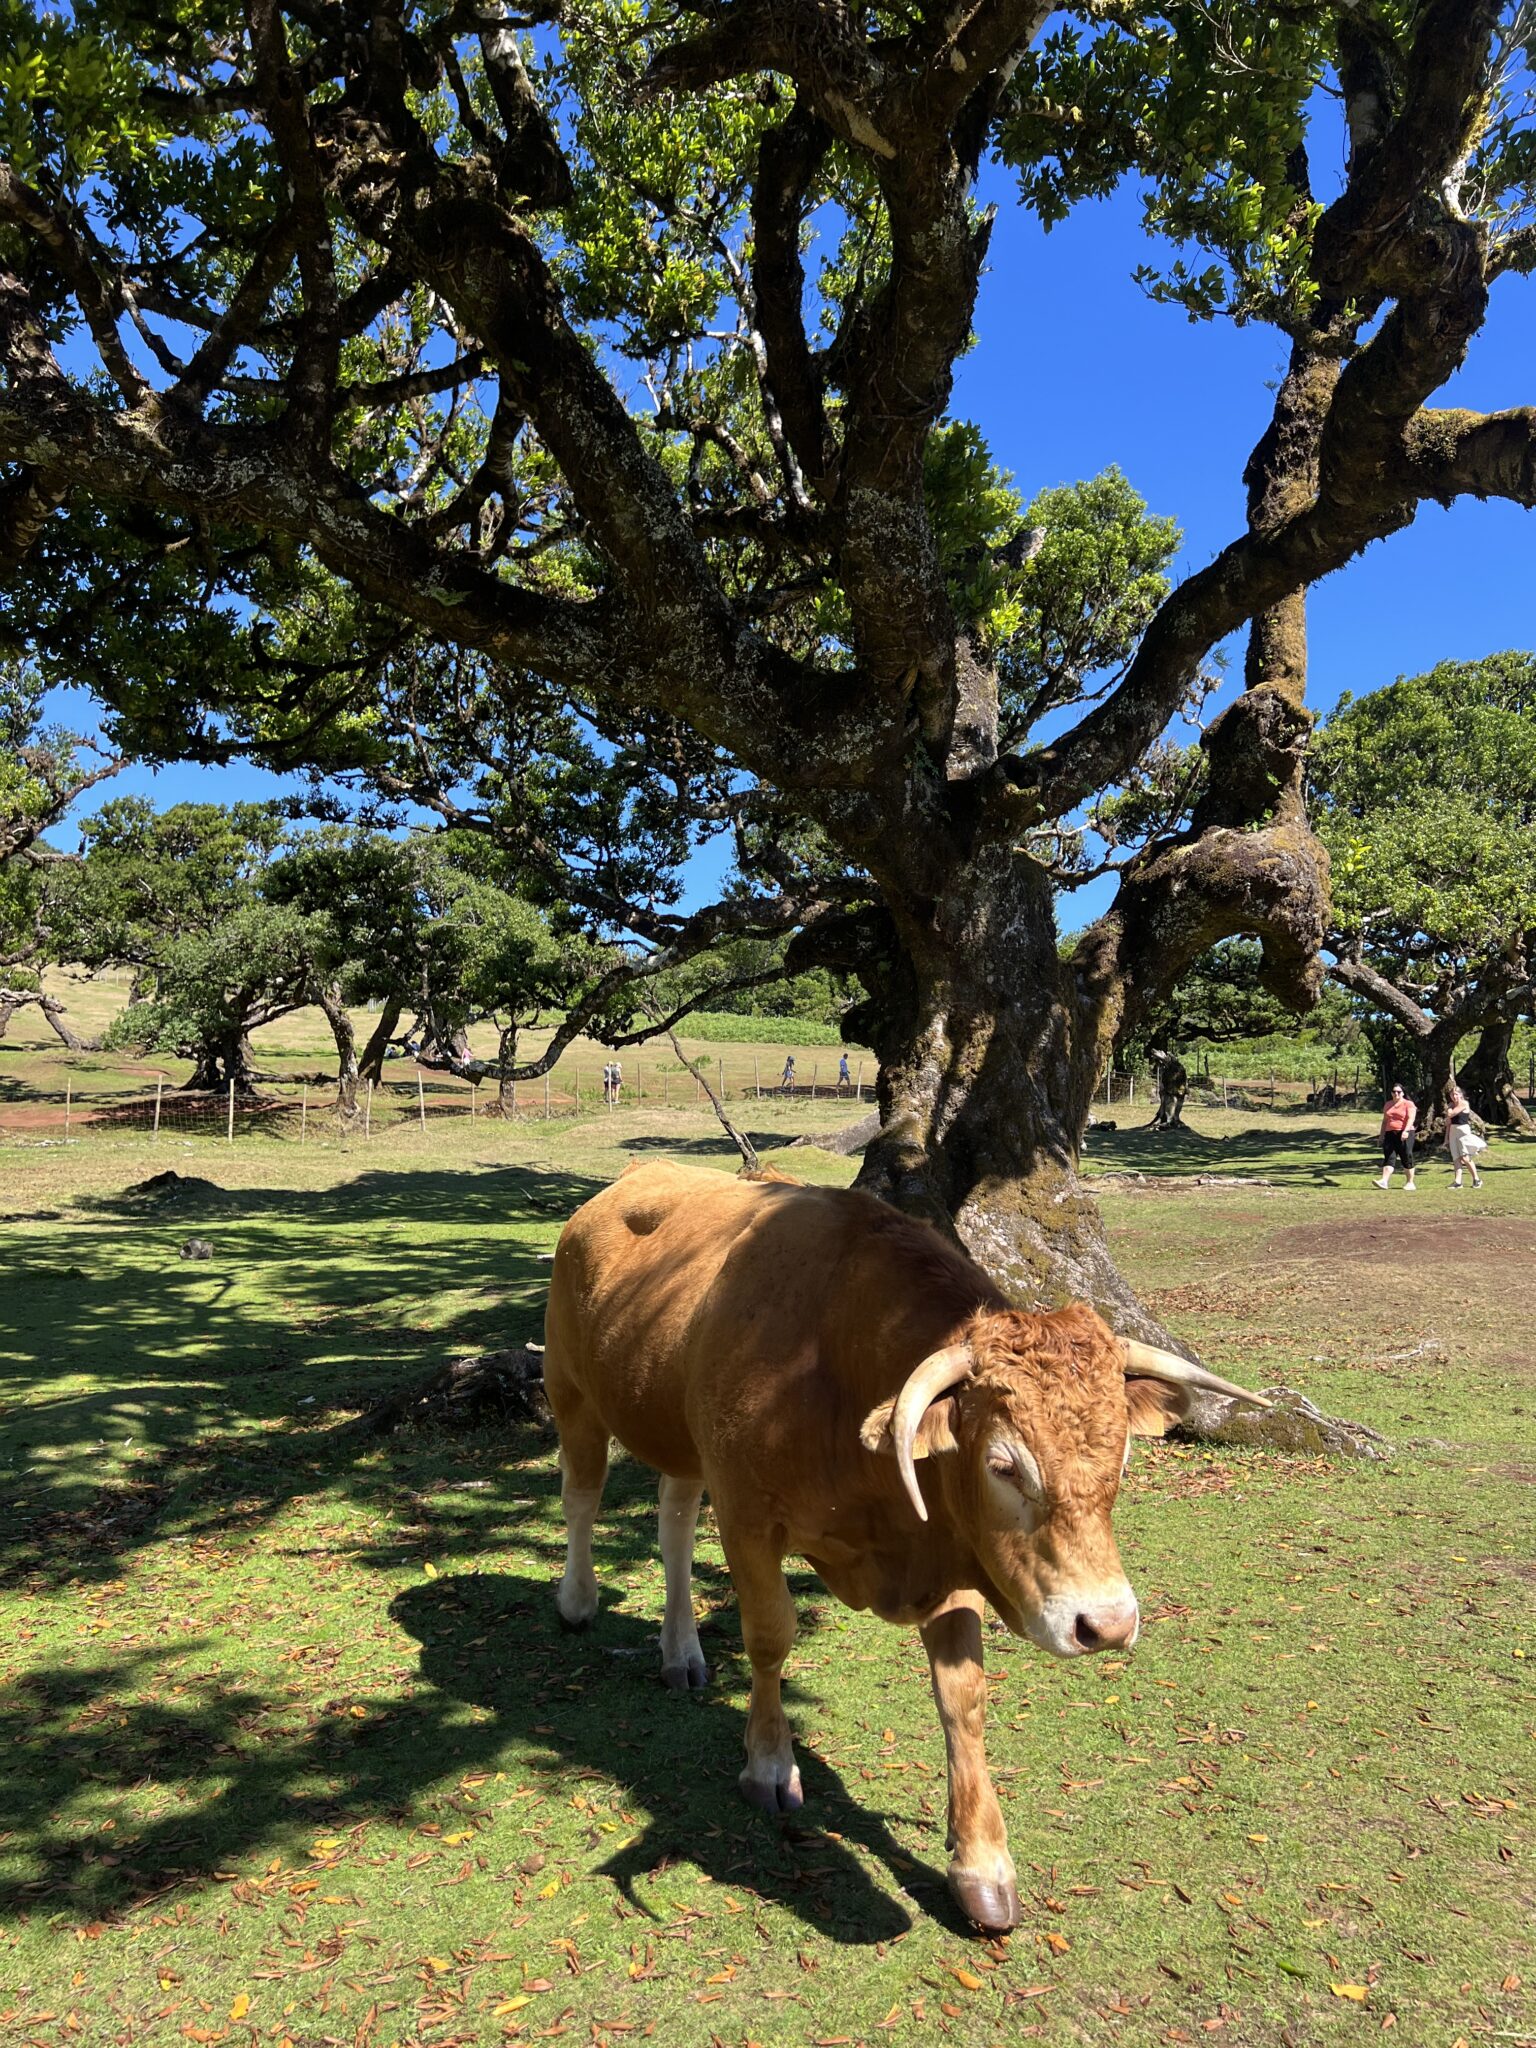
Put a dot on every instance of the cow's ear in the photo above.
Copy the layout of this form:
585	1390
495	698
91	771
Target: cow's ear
935	1433
1155	1406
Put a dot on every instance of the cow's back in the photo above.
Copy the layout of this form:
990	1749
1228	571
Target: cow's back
689	1309
633	1272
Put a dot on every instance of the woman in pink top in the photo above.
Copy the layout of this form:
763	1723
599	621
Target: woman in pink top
1397	1122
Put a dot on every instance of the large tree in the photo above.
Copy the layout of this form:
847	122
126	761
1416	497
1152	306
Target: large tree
418	392
175	895
422	927
1426	798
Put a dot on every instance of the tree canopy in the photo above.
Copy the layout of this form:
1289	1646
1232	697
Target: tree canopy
1425	796
545	414
44	769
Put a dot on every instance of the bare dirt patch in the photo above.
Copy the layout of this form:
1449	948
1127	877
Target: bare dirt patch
1500	1242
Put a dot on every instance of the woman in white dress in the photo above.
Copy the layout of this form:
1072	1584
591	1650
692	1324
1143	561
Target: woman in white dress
1462	1142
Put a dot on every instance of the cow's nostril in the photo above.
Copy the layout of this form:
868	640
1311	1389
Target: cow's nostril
1107	1628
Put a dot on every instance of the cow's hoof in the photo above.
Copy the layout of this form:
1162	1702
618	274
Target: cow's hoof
576	1609
772	1792
692	1675
993	1903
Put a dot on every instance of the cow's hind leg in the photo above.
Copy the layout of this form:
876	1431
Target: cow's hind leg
583	1469
682	1659
981	1873
771	1779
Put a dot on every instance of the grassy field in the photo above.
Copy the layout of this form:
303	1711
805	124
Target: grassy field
740	1054
292	1749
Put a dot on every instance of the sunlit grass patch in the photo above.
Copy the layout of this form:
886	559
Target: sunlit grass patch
290	1739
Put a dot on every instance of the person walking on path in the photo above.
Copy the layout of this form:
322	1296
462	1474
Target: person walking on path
787	1078
1397	1122
1461	1141
844	1078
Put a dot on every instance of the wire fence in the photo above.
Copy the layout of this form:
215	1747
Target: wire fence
100	1099
298	1107
1335	1087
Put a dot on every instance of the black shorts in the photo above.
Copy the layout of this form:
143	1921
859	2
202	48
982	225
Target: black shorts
1397	1145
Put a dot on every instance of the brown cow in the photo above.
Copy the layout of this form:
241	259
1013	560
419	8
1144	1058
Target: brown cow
850	1388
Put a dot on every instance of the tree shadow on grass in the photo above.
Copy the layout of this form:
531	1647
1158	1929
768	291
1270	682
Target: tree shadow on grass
313	1303
713	1145
231	1786
676	1755
1261	1151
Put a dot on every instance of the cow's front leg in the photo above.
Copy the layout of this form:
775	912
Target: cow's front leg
682	1657
981	1873
771	1779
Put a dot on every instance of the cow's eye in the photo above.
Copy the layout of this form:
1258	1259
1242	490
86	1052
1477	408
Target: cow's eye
1016	1463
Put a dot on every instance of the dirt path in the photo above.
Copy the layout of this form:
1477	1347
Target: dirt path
1506	1243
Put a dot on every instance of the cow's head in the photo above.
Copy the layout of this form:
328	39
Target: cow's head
1032	1417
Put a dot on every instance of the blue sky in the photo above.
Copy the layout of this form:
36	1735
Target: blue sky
1076	368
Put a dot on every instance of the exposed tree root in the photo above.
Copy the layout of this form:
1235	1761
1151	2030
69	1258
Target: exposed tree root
1290	1423
467	1393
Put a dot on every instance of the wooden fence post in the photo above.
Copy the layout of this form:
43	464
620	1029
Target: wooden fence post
757	1079
231	1112
720	1070
858	1093
159	1085
66	1109
1271	1087
304	1113
368	1111
546	1095
421	1101
815	1070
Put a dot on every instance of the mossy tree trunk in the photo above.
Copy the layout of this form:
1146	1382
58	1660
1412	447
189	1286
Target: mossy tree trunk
506	1061
989	1052
371	1066
348	1073
218	1060
991	1041
1490	1081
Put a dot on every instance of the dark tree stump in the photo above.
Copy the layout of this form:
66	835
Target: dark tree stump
467	1393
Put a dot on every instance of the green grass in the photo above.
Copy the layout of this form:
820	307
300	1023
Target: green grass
291	1725
723	1028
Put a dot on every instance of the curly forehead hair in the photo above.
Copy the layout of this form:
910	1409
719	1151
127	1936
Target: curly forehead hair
1066	1345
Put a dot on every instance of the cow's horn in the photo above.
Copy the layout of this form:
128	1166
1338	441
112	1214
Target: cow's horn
1157	1364
939	1371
